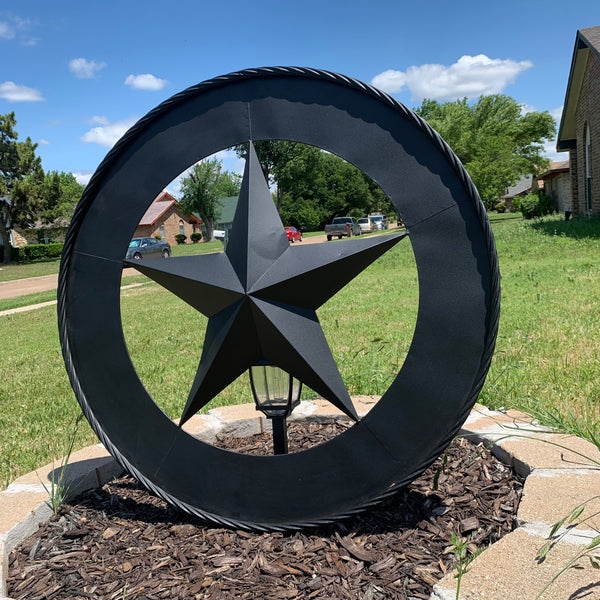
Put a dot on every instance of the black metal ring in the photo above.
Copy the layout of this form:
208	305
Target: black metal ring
458	299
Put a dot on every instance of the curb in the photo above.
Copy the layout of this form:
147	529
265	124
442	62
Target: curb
557	480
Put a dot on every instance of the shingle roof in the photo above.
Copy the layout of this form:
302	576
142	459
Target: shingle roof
591	35
586	41
226	210
521	186
160	205
228	206
555	167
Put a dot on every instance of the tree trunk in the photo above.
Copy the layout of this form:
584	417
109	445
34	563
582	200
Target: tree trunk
5	235
210	227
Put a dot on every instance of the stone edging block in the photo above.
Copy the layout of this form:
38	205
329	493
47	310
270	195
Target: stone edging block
557	480
559	477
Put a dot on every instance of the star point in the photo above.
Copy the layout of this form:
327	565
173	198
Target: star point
261	297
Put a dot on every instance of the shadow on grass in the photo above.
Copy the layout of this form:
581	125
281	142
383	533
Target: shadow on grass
580	228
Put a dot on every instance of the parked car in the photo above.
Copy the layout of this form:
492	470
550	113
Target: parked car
147	247
379	221
293	234
342	226
366	226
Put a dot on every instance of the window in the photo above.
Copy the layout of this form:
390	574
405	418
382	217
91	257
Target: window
161	230
181	230
588	169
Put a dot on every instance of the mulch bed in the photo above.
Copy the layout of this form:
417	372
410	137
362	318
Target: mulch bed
120	542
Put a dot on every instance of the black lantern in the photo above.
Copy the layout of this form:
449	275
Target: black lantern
276	394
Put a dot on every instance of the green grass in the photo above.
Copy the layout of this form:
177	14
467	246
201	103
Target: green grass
32	269
366	350
548	352
547	356
27	300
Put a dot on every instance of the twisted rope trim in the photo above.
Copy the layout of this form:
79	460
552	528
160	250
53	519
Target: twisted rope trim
90	193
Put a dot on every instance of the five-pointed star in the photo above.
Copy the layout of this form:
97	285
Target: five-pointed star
260	297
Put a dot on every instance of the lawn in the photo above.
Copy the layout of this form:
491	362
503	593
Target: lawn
547	355
50	267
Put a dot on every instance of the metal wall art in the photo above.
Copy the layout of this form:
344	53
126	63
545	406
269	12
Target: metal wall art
260	293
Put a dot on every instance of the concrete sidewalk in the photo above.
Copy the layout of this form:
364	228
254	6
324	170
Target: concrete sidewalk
558	478
12	311
30	285
33	285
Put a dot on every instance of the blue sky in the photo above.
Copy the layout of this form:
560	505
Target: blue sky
78	74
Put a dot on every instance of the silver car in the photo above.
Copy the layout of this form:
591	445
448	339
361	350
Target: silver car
147	247
366	226
379	221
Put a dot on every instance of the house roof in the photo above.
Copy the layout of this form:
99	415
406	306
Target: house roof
228	206
587	41
160	205
226	210
556	167
523	185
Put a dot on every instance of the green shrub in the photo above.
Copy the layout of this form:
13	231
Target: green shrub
535	205
180	238
158	237
39	252
500	207
545	205
33	252
196	237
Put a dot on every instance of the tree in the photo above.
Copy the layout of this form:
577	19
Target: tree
496	143
60	194
284	164
202	187
17	162
313	186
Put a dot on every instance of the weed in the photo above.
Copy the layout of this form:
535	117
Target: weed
586	428
59	490
461	550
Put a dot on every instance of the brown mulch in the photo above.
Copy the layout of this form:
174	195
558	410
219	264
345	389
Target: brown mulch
120	542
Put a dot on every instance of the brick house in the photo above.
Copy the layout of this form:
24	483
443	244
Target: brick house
166	218
556	182
526	185
579	131
40	233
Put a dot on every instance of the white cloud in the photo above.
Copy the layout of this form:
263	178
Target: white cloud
43	142
145	81
6	31
231	161
390	81
83	177
85	69
9	90
108	134
557	113
551	153
16	28
470	76
98	120
527	108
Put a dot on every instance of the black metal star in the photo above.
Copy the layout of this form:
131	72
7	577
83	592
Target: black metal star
261	295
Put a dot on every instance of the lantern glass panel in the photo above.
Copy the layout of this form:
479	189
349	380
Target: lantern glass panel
272	386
